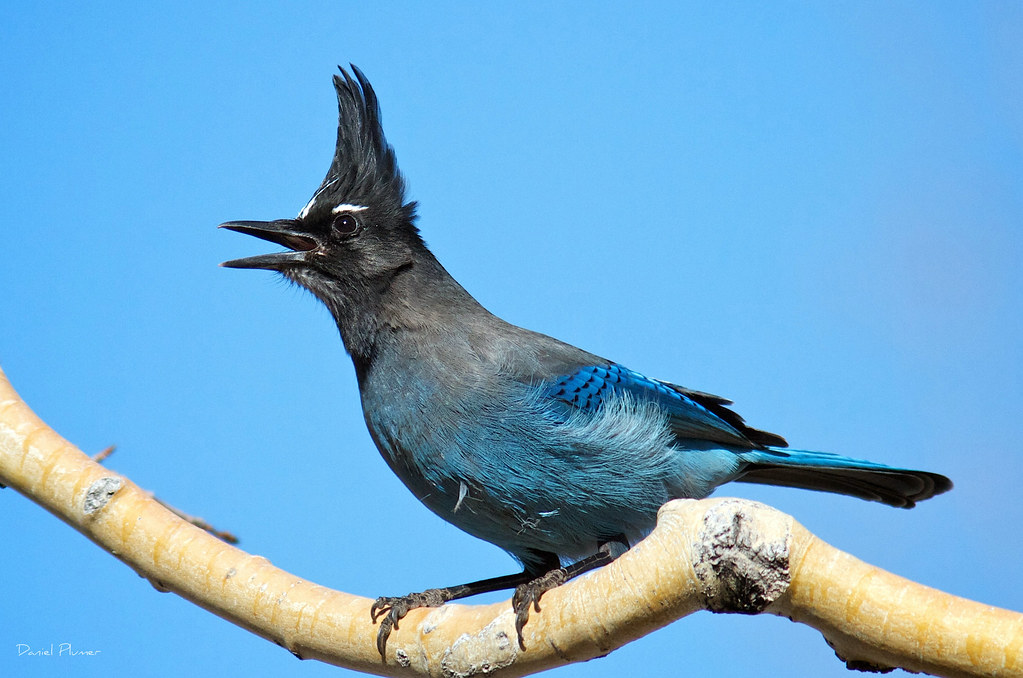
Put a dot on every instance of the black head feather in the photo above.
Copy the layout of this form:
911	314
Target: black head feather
364	170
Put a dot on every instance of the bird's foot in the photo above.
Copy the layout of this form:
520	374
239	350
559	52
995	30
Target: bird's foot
528	594
391	610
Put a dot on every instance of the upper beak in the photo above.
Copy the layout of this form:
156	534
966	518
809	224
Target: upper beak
283	232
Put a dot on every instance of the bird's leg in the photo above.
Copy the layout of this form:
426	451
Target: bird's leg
528	593
392	609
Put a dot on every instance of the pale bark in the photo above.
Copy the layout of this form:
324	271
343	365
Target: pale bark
725	555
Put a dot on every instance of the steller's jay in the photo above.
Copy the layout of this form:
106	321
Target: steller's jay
558	456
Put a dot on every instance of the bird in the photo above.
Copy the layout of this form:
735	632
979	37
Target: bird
556	455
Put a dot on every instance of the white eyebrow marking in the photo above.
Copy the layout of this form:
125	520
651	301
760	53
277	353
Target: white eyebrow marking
346	207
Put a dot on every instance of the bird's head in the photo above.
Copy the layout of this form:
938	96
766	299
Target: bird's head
357	231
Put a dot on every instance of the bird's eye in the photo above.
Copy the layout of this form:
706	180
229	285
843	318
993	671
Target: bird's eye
347	225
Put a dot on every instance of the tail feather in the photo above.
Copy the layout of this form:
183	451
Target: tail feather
825	472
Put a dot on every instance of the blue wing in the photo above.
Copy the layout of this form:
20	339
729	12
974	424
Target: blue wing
691	414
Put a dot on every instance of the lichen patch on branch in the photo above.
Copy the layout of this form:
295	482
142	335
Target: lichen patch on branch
742	560
100	493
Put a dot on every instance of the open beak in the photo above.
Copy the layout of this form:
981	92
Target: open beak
283	232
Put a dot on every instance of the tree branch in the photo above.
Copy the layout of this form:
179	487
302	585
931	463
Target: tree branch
724	555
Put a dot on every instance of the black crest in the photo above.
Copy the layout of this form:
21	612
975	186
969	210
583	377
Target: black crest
364	170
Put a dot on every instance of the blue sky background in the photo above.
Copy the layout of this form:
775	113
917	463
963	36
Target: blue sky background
815	209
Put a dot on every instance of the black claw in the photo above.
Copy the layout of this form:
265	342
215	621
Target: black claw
392	610
521	617
521	604
388	611
384	633
527	595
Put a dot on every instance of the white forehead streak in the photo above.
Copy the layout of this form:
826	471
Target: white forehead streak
308	206
312	201
345	207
